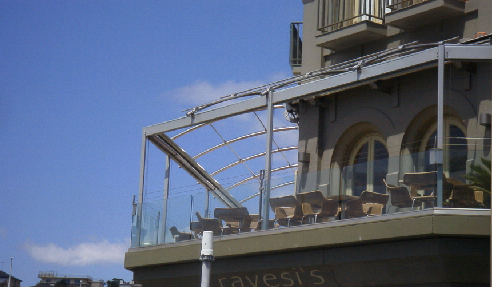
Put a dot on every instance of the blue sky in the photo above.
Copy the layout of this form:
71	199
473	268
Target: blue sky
78	82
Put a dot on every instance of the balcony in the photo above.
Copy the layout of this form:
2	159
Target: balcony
411	14
413	188
346	23
295	51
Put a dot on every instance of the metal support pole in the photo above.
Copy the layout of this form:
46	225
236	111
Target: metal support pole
10	273
207	203
268	162
207	256
440	121
167	172
141	190
262	178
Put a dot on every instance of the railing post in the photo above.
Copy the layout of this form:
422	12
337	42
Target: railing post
165	198
141	189
440	122
262	178
268	162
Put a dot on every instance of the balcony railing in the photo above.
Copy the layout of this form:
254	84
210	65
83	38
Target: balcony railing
337	14
406	183
394	5
295	52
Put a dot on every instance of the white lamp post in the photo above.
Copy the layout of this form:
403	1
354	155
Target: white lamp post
207	256
10	274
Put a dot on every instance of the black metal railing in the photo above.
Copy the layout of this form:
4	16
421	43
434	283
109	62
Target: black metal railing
394	5
337	14
295	53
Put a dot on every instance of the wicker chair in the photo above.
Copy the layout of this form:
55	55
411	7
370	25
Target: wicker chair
401	197
314	204
179	236
373	203
236	219
353	209
463	196
287	210
426	181
207	224
256	222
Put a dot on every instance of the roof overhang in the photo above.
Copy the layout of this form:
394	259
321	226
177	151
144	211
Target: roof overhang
331	84
361	74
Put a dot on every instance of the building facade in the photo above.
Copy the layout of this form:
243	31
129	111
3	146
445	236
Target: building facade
392	121
392	100
4	280
52	278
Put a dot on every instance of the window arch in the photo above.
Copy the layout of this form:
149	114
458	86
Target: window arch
455	148
368	162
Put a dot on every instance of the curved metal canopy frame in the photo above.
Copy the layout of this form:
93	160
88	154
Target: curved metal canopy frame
252	157
257	175
259	133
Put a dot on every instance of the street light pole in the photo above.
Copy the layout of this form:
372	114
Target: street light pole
207	256
10	273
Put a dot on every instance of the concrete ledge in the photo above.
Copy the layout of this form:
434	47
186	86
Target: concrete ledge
425	13
393	227
356	34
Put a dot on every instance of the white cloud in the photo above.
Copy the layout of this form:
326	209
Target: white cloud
83	254
201	92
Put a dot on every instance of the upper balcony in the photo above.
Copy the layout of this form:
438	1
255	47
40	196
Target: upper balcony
295	51
410	14
345	23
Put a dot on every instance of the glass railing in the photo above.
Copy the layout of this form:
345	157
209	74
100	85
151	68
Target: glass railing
406	183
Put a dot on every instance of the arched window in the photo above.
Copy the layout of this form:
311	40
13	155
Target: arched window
455	148
369	164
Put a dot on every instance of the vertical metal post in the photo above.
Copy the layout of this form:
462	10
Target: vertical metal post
262	178
167	172
207	203
207	256
10	273
157	227
268	162
141	189
440	121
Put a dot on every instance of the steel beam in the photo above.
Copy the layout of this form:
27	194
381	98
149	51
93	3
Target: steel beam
468	52
181	157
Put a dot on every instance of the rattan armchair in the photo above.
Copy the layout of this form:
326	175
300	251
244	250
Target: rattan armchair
288	211
401	197
179	236
373	203
315	205
207	224
236	219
